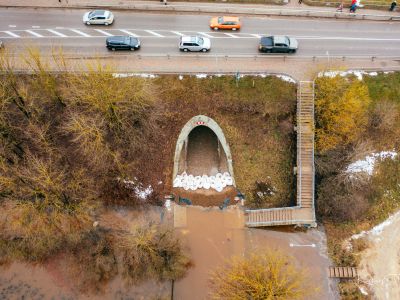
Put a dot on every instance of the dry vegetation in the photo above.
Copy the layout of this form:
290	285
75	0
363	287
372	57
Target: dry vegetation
354	119
269	275
74	142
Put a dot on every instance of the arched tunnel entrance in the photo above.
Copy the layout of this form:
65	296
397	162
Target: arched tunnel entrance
205	155
203	171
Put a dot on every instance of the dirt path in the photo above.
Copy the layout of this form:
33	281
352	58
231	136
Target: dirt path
380	264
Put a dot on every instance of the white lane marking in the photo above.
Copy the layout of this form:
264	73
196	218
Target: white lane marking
12	26
12	34
128	32
154	33
231	35
80	32
59	27
256	35
35	26
34	33
177	33
205	34
56	32
296	245
103	32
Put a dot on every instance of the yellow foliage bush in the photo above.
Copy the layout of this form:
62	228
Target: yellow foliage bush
341	111
269	275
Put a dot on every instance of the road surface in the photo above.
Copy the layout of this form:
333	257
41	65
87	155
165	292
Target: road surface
159	34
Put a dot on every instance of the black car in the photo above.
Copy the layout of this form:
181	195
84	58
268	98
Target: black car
122	43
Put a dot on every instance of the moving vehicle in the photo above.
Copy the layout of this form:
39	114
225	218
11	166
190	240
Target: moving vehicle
98	17
278	44
194	43
226	22
122	43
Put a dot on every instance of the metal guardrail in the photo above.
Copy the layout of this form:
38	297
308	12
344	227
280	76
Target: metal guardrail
313	154
283	58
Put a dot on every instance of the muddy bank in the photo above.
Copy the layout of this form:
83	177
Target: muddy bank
379	268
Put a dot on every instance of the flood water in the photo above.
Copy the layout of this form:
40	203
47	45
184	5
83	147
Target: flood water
210	235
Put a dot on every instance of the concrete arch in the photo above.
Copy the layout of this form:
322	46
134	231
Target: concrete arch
182	141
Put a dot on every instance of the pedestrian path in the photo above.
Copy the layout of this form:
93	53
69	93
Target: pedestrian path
291	9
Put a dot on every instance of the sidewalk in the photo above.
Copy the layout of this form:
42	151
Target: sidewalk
291	9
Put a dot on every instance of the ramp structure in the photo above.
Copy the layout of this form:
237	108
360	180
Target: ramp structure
304	212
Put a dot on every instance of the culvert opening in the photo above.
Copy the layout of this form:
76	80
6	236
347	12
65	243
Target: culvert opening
203	173
204	155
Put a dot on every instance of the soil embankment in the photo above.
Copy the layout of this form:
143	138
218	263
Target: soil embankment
380	263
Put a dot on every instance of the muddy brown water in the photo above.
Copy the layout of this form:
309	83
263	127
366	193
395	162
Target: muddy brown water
210	235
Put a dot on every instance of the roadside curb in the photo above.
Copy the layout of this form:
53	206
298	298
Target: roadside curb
231	10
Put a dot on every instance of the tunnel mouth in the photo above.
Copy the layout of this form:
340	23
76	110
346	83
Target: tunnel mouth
203	171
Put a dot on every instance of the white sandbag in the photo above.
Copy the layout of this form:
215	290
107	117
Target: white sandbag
229	180
226	174
218	176
206	185
177	182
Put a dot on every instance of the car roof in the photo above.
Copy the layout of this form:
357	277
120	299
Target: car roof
192	38
99	12
118	38
280	39
231	18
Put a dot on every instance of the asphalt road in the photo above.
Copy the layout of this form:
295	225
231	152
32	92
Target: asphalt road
159	33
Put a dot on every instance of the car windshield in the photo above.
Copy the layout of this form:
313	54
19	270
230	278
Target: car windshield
287	41
220	20
200	41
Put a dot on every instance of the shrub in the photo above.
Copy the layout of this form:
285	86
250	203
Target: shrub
340	201
151	251
341	112
270	275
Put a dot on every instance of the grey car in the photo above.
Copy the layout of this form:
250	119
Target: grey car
194	43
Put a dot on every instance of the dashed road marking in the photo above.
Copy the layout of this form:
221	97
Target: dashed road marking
12	26
104	32
231	35
34	33
35	26
12	34
178	33
256	35
56	33
80	32
205	34
154	33
128	32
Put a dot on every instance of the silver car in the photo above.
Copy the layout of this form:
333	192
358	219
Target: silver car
194	43
98	17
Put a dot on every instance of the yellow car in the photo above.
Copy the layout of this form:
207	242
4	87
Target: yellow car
232	23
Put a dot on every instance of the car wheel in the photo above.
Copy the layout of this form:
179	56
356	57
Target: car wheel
233	29
215	28
106	24
87	23
133	49
204	50
185	50
113	49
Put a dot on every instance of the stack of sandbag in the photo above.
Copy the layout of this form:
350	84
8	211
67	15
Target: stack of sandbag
190	182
